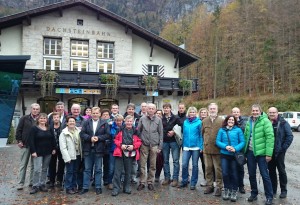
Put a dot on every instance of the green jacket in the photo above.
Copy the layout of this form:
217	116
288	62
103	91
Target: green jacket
263	136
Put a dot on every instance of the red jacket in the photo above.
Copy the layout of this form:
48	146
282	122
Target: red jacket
118	141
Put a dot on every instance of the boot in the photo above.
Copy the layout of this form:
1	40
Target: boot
233	196
226	194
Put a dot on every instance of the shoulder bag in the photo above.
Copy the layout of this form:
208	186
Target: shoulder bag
238	156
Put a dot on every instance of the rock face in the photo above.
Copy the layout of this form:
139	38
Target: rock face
150	14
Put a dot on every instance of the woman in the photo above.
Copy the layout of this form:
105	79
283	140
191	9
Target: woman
126	151
192	147
42	145
115	128
87	113
70	147
230	139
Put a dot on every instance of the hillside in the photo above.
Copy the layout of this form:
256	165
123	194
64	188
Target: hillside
150	14
282	102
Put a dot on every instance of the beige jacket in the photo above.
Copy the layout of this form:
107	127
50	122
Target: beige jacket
67	144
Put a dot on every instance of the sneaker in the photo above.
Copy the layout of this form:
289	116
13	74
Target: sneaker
141	187
114	193
70	191
182	185
174	183
209	190
20	187
218	192
252	198
192	187
283	195
166	182
226	194
242	190
233	196
269	202
150	187
133	181
34	190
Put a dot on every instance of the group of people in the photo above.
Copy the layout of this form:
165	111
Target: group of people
74	150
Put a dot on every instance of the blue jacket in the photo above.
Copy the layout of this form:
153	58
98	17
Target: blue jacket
283	136
236	137
192	136
114	129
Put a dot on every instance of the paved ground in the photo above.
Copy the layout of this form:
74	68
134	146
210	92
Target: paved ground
9	159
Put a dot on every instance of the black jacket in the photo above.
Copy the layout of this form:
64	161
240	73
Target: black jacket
182	117
23	130
283	136
168	126
102	132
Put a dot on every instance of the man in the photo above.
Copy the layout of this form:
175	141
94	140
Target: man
212	159
240	169
75	111
143	109
94	134
259	147
283	139
151	133
170	145
60	108
114	111
181	112
22	136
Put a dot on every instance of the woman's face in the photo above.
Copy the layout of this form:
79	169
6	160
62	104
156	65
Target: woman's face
88	112
230	122
192	113
119	122
43	120
130	111
129	123
71	123
203	114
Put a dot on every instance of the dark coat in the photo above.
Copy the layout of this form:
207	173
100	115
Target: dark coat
23	130
102	132
283	136
182	117
168	126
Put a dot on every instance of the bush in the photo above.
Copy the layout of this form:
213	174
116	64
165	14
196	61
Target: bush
11	136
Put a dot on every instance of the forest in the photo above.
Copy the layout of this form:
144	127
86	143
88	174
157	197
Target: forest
248	48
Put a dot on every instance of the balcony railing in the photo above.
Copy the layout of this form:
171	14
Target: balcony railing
93	80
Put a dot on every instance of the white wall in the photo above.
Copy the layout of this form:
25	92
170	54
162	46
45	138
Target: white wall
11	40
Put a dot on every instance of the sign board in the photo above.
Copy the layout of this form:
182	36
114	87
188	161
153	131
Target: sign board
80	91
152	93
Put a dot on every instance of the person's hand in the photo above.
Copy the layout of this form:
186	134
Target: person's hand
158	150
20	145
68	162
268	158
129	147
34	154
171	133
54	151
123	147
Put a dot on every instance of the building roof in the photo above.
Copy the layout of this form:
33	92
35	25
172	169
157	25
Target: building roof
185	58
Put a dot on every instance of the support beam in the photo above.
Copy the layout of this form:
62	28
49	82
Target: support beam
126	29
177	59
98	16
152	45
28	20
23	102
60	10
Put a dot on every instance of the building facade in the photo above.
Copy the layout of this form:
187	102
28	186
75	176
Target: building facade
83	43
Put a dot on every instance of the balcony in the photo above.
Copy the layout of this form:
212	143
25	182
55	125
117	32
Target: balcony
92	80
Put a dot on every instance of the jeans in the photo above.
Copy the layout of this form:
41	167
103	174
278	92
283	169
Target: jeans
111	167
71	173
252	162
279	163
175	151
60	167
202	164
229	173
25	156
41	165
186	155
241	175
89	160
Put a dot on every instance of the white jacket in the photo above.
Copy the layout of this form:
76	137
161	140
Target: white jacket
67	144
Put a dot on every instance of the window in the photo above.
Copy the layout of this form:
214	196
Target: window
52	64
105	50
79	48
79	65
52	47
105	67
52	54
153	70
105	56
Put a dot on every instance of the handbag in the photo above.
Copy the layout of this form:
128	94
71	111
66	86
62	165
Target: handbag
238	156
178	134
